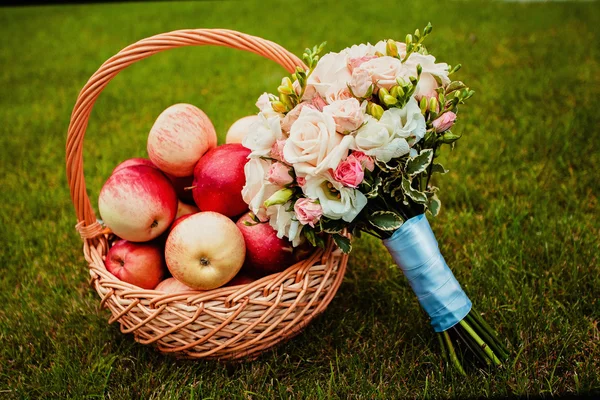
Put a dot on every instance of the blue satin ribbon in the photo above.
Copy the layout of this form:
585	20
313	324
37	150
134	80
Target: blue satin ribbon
415	250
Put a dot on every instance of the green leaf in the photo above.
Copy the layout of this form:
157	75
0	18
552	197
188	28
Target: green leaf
419	164
385	220
434	205
448	137
332	225
414	194
342	242
309	234
438	168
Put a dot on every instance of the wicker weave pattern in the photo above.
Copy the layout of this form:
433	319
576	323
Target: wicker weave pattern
225	323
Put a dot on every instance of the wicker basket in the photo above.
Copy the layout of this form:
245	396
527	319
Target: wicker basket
225	323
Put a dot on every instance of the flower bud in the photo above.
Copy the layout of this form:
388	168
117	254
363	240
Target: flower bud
423	105
375	110
397	92
382	93
389	100
391	48
419	69
278	106
285	90
281	196
408	38
433	104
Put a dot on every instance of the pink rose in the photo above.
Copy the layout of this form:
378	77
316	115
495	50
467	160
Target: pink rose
308	211
318	102
277	150
444	122
365	161
357	61
347	114
360	82
279	174
349	172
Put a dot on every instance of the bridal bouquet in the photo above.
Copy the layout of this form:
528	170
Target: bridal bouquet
349	146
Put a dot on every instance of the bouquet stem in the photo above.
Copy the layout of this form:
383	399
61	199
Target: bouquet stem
478	337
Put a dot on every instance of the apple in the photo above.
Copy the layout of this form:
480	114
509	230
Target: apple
240	128
240	279
179	137
141	264
177	221
205	250
172	285
138	203
219	178
185	209
133	162
182	187
265	252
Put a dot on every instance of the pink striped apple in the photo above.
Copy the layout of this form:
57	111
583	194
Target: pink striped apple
172	285
132	162
179	137
141	264
138	203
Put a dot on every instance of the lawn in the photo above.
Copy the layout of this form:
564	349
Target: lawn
519	224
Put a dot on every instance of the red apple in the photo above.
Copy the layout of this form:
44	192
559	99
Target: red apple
240	279
180	185
240	128
219	178
205	250
172	285
141	264
132	162
138	203
265	252
179	137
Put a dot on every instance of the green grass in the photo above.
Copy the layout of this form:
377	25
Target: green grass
519	224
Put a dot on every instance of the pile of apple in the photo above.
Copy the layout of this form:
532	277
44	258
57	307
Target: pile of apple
181	211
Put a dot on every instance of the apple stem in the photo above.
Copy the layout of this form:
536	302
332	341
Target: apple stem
154	224
204	262
190	187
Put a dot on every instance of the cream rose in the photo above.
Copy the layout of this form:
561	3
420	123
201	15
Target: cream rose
330	75
262	135
375	139
348	114
314	145
431	69
382	70
337	201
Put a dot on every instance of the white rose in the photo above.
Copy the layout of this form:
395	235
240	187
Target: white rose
330	75
348	114
257	188
337	200
262	135
407	122
314	145
285	223
375	139
382	70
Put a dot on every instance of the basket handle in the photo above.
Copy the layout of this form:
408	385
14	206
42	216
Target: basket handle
129	55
